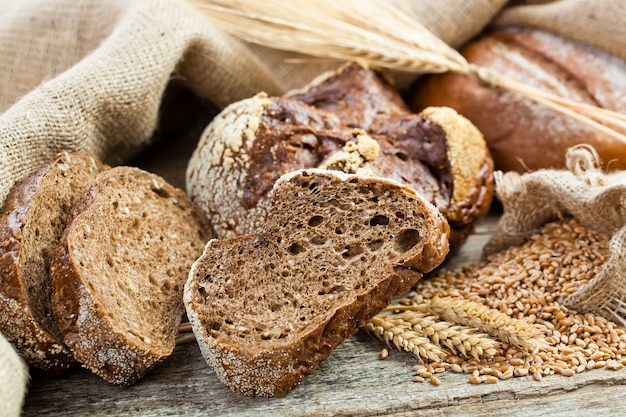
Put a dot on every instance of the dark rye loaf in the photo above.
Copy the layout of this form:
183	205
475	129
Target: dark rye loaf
251	143
31	223
119	271
267	308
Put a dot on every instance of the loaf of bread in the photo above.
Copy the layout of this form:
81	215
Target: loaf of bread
521	134
267	308
31	223
119	271
250	144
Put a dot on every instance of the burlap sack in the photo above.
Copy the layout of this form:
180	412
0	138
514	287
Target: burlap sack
13	379
597	200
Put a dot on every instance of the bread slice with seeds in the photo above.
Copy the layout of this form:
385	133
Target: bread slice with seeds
31	224
267	308
119	271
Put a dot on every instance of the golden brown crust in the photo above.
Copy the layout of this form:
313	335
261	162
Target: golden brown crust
521	134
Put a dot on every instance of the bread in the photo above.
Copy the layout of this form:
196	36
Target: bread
119	270
267	308
31	223
251	143
521	134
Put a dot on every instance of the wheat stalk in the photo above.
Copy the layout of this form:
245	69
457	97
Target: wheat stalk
402	337
379	34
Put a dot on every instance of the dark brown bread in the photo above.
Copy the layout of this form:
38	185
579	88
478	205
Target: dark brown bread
31	224
253	142
119	271
521	134
267	308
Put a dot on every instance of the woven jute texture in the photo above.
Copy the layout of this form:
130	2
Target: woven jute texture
13	379
597	200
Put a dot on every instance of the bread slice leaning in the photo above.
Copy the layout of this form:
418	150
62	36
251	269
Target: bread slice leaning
119	271
31	224
267	308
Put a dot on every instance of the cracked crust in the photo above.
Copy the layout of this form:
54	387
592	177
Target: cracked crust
261	138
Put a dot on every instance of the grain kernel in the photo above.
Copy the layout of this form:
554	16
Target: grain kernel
419	379
521	372
435	381
474	380
491	380
384	353
456	368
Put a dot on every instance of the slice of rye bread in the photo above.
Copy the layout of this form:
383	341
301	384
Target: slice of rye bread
267	308
119	271
31	224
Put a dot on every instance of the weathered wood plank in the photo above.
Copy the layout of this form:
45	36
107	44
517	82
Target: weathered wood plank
352	381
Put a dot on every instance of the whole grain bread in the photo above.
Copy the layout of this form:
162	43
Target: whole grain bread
31	224
267	308
251	143
119	271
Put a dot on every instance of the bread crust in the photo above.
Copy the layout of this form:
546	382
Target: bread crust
269	365
26	316
521	134
97	340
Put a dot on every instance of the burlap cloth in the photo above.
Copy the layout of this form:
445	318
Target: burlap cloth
105	76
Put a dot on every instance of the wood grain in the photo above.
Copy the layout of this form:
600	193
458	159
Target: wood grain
352	381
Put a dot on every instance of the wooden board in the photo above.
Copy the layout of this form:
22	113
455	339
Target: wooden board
352	381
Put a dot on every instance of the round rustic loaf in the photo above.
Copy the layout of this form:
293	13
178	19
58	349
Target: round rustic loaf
349	120
521	134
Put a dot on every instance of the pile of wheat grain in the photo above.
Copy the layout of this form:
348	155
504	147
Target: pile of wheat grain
502	317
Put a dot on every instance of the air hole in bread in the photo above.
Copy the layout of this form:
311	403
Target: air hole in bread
316	221
379	220
295	248
109	260
374	245
318	240
399	215
339	230
406	239
352	251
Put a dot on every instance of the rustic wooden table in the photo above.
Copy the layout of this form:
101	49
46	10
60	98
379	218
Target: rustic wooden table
352	381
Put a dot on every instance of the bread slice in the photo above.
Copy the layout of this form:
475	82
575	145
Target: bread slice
119	271
31	224
266	308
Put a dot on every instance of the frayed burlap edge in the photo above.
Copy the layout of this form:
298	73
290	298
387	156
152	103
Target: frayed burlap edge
595	199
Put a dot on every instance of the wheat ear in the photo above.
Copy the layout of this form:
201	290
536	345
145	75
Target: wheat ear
402	337
456	338
380	34
478	316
